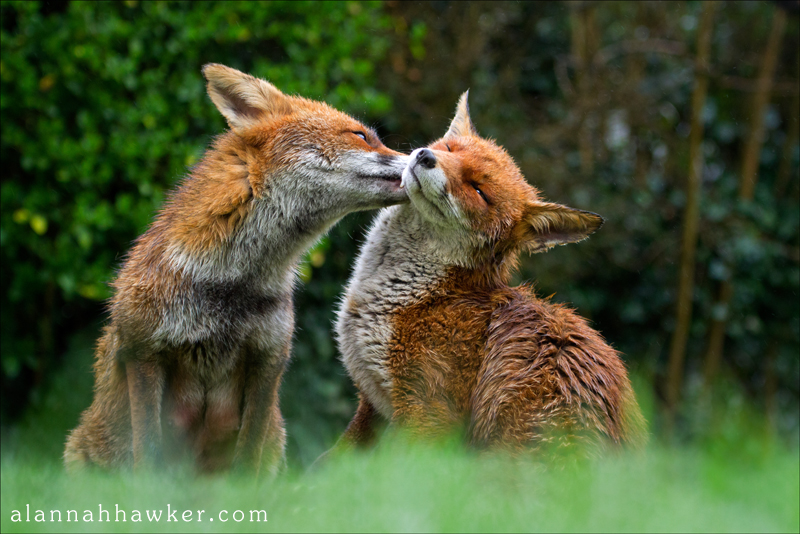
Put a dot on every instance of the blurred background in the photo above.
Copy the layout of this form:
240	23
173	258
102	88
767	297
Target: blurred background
676	121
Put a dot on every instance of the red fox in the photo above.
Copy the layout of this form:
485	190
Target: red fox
201	320
434	337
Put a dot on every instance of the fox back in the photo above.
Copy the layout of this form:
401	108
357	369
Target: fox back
435	338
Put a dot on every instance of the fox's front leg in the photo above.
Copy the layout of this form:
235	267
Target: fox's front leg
145	392
261	418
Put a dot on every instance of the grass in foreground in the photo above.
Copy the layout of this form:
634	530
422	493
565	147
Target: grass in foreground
405	487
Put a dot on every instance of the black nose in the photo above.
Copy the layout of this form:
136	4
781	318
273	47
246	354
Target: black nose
426	158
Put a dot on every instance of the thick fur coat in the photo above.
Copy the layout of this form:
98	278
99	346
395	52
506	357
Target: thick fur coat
190	364
435	338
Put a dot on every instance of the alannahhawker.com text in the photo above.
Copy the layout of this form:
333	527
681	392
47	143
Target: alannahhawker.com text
122	515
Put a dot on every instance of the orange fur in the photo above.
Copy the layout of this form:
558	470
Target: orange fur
509	367
202	317
464	349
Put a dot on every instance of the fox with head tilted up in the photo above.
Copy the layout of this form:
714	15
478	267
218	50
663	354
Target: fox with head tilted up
435	339
201	319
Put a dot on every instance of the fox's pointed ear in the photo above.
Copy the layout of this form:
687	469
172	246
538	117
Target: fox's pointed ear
462	124
243	99
546	225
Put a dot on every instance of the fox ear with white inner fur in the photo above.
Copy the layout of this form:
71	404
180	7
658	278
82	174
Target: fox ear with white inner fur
546	225
242	99
462	125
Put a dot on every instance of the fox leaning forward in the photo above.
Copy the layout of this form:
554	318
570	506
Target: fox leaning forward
202	317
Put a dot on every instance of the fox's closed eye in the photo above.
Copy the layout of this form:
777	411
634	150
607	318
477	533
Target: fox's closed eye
480	193
448	147
362	135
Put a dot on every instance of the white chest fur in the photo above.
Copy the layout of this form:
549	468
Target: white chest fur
397	267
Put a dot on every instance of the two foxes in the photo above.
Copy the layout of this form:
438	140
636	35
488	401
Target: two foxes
434	337
202	318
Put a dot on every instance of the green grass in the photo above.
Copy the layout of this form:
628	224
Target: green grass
738	481
404	487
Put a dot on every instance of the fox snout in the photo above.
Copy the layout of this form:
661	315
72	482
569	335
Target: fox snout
426	158
420	162
427	185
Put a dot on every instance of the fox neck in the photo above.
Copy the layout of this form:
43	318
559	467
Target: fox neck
268	244
405	258
401	258
279	230
275	226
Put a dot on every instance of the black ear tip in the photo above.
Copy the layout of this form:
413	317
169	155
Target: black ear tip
596	221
